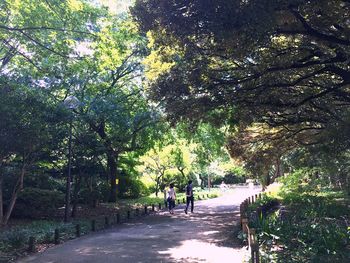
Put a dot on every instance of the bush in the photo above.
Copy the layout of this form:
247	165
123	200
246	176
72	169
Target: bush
37	203
216	180
103	189
131	188
89	197
232	178
235	175
15	239
43	181
312	225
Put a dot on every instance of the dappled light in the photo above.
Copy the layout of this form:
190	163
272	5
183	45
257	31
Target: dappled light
207	235
117	116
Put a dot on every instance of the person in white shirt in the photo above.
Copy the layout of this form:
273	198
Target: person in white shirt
171	198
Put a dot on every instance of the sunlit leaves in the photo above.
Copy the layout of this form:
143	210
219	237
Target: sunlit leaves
159	60
75	5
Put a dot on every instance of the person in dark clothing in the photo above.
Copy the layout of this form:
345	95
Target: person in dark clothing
189	196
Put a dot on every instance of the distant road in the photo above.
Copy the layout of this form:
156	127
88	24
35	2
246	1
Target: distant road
204	236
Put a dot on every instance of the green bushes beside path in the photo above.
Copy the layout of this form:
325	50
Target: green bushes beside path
311	225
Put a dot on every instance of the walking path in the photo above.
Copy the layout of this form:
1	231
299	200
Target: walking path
207	235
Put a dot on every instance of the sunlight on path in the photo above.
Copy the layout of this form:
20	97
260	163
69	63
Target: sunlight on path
198	251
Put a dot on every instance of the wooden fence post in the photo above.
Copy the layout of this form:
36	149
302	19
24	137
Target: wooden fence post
118	218
245	225
254	245
77	230
259	212
128	214
146	212
153	209
93	225
160	206
57	236
31	244
137	212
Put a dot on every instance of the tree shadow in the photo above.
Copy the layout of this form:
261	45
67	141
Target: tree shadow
208	235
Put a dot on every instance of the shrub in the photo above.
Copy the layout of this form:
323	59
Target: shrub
131	188
15	239
44	181
313	226
37	203
103	189
89	197
232	178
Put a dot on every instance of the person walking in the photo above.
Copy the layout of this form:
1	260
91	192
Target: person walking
171	198
189	196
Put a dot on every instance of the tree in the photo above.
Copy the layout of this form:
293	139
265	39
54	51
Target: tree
113	103
44	35
154	164
78	48
261	150
276	63
27	125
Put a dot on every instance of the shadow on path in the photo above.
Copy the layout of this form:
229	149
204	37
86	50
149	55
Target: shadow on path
208	235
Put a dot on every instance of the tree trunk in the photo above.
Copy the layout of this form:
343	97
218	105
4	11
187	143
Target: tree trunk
181	170
77	184
157	185
279	170
202	181
17	188
112	165
112	158
1	197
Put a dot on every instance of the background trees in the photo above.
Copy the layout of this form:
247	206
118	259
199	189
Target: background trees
52	50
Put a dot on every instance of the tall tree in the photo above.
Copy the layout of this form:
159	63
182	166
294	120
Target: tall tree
114	104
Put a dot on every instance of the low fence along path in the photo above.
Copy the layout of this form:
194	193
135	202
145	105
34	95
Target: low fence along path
207	235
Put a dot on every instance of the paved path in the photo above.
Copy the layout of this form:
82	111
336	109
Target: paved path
204	236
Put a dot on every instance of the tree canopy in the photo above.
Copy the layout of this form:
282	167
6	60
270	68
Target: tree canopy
275	64
279	62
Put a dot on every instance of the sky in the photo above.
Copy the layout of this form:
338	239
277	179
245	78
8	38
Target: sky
116	6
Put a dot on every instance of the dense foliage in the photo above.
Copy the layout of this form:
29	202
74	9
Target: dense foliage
275	71
310	225
71	88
